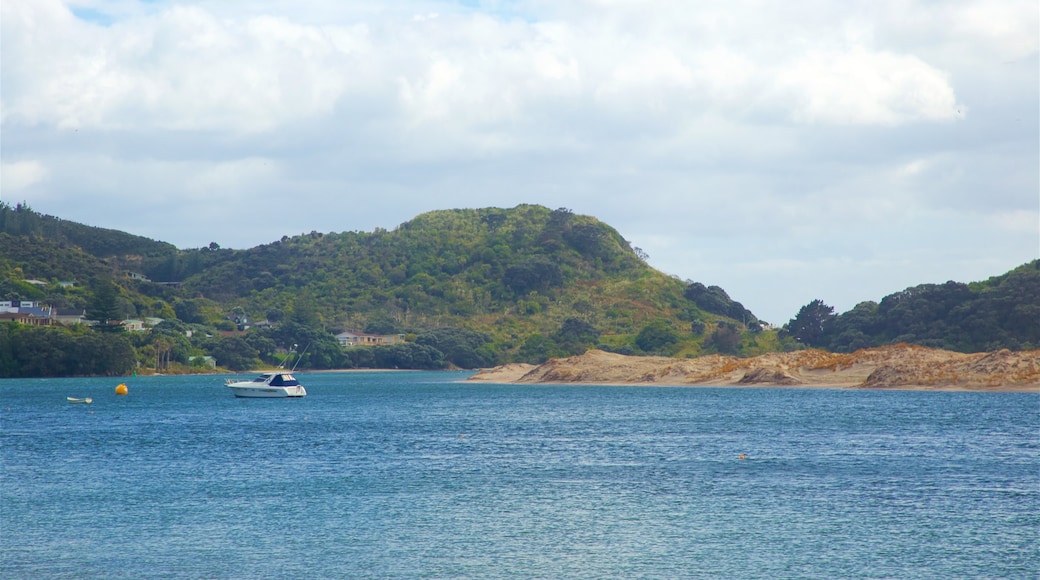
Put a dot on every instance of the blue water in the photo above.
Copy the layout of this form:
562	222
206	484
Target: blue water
417	475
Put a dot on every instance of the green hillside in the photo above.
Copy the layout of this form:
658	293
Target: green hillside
465	287
468	287
1001	312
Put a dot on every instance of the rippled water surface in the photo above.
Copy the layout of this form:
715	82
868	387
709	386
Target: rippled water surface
416	475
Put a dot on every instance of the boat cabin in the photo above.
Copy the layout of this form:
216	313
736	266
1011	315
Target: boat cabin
284	380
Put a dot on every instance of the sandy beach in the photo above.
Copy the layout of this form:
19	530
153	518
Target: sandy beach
904	367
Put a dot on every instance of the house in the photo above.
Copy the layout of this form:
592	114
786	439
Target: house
350	339
34	308
69	316
136	276
30	312
27	318
133	325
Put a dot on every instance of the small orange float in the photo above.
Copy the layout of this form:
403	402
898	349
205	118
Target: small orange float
121	389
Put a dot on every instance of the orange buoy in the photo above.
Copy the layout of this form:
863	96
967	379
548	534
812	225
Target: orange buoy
742	456
121	389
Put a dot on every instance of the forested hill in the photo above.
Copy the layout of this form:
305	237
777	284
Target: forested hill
517	275
20	221
525	283
1001	312
466	287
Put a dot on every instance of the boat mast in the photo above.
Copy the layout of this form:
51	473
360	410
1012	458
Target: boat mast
287	355
300	358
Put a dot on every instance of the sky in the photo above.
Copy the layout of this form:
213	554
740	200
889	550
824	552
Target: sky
785	151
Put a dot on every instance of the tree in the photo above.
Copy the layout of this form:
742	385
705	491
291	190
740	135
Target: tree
697	327
105	307
657	337
381	323
322	353
461	347
188	311
725	338
853	330
536	273
538	349
408	355
715	300
575	335
811	323
234	353
305	311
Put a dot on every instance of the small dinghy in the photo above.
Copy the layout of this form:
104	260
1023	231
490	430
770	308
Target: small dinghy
86	401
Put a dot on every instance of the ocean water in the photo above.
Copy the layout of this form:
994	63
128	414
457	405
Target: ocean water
419	475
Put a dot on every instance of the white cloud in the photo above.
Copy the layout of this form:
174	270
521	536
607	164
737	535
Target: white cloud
864	88
19	175
180	69
724	138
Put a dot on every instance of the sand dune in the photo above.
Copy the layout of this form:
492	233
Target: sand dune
889	367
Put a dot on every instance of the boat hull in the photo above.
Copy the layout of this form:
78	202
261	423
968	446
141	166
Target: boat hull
255	391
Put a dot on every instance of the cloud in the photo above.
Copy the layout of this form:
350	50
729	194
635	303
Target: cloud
864	88
180	69
830	147
19	175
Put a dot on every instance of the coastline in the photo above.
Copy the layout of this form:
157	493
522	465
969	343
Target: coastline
898	367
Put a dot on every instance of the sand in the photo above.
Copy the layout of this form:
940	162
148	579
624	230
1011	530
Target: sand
889	367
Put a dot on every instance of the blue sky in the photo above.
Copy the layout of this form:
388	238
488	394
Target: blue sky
787	152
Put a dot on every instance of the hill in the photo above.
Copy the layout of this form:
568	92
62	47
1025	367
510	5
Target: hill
465	287
1001	312
536	282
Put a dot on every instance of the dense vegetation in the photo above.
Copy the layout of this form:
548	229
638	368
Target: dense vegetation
467	288
1002	312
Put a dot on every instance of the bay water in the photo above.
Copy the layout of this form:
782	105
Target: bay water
423	475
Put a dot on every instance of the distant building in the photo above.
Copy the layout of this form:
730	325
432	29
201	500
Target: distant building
133	325
26	318
351	339
26	309
69	316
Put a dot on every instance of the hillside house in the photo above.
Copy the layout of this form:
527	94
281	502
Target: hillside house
30	312
69	316
26	318
351	339
133	325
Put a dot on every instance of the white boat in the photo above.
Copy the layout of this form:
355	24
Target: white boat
278	383
86	401
275	384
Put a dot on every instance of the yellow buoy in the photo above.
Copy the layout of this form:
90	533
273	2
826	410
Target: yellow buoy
121	389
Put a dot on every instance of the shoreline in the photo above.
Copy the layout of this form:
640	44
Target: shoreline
835	387
897	367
